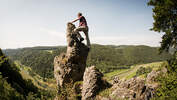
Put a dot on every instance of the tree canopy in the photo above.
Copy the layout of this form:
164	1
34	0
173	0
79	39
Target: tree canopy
165	20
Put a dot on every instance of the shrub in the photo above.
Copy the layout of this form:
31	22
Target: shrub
69	92
143	70
168	83
7	92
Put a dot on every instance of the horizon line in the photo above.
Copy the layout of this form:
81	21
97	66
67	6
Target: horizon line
91	44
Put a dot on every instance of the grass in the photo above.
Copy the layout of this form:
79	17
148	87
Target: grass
114	73
130	75
142	76
155	65
50	51
106	92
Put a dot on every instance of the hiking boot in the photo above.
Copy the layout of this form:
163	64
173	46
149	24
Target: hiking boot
89	48
81	39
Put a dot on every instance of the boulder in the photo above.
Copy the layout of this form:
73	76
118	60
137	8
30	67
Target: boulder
136	88
133	89
92	83
152	76
70	66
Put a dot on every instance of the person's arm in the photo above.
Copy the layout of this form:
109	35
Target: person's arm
76	19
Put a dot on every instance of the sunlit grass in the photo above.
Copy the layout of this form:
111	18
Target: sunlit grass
114	73
50	51
130	73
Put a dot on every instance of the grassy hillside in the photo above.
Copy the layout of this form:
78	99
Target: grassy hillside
132	71
107	58
18	82
28	73
12	81
40	59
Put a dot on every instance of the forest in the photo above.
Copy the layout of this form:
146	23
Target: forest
105	57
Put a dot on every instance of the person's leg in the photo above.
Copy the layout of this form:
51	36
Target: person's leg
87	37
85	30
77	30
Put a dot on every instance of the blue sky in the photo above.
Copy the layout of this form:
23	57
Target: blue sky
28	23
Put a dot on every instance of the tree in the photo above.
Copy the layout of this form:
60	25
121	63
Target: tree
165	16
165	20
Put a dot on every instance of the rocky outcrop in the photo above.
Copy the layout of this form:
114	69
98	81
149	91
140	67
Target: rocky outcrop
135	88
92	83
70	66
153	75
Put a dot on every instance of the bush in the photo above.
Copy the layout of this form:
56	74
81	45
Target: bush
7	92
168	88
168	83
143	70
69	92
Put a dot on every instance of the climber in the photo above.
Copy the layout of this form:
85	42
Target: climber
82	27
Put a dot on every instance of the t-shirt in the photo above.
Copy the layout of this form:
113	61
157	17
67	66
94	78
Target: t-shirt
82	21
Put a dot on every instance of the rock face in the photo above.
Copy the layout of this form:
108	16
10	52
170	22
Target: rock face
134	88
153	75
70	67
92	82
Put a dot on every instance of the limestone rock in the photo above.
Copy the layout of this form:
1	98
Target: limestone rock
154	74
133	89
92	82
70	66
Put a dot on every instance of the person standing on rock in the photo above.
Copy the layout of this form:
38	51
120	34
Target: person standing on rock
82	27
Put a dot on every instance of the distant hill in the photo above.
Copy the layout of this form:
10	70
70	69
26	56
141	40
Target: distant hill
105	57
108	58
40	59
